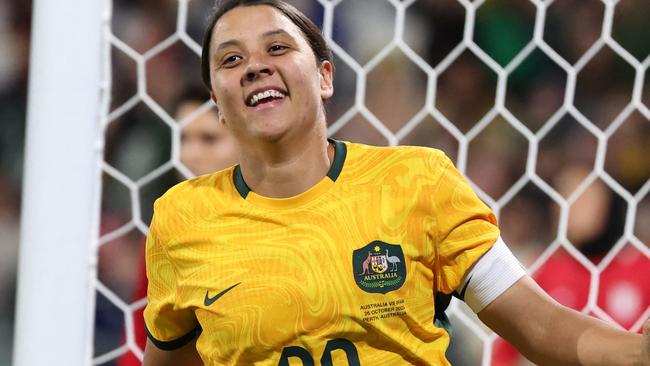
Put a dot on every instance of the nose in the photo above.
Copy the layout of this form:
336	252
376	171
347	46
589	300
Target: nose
257	70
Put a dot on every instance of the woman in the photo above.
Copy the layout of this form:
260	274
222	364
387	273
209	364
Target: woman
322	250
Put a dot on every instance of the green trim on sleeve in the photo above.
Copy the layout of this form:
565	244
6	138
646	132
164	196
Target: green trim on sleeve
176	343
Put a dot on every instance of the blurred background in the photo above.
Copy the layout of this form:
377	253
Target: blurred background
483	138
14	52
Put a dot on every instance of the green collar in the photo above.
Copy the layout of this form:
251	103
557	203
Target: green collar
340	151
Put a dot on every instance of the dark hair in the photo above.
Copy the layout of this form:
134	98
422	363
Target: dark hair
190	93
312	33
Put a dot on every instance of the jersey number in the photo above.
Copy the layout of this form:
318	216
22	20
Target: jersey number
334	344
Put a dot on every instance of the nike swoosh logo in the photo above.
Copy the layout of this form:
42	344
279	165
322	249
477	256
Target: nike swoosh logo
210	300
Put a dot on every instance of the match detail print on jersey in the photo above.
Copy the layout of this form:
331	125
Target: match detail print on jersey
379	267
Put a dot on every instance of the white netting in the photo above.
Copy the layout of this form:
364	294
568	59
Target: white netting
544	105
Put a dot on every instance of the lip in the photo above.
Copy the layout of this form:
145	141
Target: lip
263	89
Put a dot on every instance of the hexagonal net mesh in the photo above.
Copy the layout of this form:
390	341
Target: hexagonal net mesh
543	105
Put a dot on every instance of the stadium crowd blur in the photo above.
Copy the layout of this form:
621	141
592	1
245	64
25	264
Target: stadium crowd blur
139	141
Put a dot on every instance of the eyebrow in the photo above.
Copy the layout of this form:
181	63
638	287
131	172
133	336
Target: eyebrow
276	32
234	42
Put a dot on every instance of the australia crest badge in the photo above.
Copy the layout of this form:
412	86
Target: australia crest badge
379	267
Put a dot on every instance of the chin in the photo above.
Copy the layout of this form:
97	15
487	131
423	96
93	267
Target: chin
270	136
270	131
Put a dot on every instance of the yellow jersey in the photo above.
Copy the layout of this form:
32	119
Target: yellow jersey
346	273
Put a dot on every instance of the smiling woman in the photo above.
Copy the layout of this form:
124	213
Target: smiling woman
269	85
321	249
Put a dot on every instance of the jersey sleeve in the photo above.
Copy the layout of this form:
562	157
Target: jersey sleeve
168	326
465	228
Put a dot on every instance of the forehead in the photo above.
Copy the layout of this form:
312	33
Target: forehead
251	22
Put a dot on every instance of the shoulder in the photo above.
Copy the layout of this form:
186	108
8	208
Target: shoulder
188	189
195	198
397	154
396	160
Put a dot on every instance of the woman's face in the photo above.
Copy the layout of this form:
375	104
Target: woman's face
265	78
206	145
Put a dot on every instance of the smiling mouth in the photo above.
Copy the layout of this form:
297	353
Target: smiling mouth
264	96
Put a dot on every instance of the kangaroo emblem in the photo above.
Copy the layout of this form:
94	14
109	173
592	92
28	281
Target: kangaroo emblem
365	265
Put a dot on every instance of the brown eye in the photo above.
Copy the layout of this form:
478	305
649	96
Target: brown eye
231	60
277	48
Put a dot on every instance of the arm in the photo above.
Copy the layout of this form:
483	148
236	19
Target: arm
184	356
548	333
171	330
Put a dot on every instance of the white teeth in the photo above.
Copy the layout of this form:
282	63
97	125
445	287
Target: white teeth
265	94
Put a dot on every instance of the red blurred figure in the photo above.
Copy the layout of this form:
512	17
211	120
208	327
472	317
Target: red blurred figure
595	224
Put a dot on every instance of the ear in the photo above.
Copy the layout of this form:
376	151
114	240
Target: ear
213	98
326	72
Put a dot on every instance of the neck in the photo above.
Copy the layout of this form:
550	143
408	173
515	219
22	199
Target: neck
282	169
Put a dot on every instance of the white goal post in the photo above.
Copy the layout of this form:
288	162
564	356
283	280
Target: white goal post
61	185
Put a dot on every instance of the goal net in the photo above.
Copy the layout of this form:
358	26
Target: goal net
543	105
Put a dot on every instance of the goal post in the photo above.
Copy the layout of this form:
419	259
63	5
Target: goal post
61	185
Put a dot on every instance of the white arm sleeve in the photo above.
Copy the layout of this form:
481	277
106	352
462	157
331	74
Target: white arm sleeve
491	275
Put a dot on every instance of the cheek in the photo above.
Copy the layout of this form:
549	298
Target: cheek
227	91
307	81
189	146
